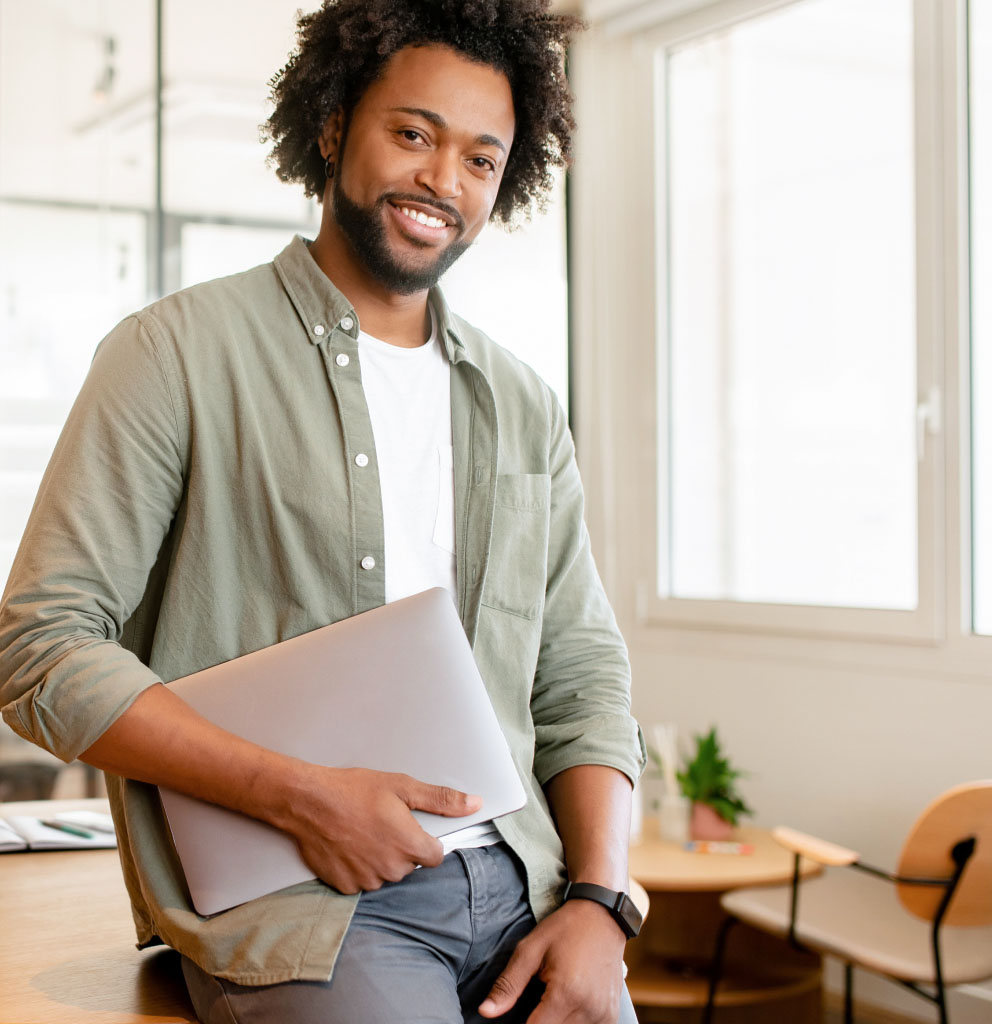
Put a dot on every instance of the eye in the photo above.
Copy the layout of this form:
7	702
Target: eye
410	135
483	163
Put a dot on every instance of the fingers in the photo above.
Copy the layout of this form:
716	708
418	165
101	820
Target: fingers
433	852
508	987
421	796
367	836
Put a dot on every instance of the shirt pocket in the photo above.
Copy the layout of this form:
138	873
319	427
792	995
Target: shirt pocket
444	521
518	555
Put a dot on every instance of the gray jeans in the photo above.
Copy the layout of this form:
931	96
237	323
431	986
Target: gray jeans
422	951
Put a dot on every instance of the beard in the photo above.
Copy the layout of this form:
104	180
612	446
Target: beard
365	231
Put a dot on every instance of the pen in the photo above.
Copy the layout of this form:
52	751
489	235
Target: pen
72	830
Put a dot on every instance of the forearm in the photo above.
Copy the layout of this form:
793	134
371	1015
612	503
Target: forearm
161	740
591	807
353	825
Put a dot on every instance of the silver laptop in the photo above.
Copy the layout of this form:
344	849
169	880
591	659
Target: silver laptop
394	689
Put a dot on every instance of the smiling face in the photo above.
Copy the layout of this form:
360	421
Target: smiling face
419	170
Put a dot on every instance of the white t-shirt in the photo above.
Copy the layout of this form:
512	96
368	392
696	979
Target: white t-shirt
408	392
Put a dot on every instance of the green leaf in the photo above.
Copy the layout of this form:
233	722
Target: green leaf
709	779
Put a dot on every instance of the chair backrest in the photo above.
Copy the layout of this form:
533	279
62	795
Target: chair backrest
961	812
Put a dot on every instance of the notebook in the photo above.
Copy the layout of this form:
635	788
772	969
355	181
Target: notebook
67	830
393	689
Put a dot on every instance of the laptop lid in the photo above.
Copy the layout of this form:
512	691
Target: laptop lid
395	689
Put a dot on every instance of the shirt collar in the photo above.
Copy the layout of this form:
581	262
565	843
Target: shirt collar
447	330
322	308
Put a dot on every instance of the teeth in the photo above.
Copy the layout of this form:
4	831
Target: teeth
421	218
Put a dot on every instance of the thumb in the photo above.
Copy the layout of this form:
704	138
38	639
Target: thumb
452	803
510	984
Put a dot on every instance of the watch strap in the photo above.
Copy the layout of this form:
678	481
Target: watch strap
619	904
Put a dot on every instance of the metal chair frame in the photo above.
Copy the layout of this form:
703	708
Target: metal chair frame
961	853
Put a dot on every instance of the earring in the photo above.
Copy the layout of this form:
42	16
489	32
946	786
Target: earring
328	168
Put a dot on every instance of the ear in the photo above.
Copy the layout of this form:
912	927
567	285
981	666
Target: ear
330	135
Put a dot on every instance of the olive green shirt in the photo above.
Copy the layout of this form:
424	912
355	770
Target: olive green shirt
204	501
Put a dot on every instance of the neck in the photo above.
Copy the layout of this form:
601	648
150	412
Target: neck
401	320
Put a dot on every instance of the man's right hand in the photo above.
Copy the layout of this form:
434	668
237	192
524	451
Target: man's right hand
354	826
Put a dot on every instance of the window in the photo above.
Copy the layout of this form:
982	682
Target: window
792	334
74	197
802	303
79	238
802	455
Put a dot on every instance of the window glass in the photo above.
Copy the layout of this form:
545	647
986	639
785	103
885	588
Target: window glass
791	364
225	208
75	190
513	285
980	26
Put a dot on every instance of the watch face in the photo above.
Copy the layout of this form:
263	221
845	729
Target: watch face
631	914
619	904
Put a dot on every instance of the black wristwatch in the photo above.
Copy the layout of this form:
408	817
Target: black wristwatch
619	904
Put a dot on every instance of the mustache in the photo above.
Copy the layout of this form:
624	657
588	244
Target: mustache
449	212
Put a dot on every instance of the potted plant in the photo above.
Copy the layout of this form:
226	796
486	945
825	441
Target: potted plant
710	783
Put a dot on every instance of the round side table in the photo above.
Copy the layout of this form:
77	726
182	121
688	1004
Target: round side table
764	978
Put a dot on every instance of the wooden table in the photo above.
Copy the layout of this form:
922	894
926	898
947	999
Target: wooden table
67	945
764	979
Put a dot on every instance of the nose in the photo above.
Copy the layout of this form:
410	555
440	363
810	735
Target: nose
440	174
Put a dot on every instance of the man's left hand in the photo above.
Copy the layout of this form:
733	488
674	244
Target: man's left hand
577	952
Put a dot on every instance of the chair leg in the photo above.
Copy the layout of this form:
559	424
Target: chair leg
716	968
938	996
940	1001
848	993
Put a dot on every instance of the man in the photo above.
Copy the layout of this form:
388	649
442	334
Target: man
258	456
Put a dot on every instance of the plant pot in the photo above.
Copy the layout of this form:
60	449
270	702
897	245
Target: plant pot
707	824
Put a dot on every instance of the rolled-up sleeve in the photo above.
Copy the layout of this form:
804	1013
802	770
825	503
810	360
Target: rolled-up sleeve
103	510
580	702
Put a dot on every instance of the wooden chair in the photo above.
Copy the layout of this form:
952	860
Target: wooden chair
928	925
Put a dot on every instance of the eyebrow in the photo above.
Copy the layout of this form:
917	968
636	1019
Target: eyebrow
432	117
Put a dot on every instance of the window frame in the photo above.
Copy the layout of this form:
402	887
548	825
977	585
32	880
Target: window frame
936	637
922	624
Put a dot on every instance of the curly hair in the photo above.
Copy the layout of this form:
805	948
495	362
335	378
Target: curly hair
344	46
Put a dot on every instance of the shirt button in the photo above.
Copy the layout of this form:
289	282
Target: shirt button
368	562
342	359
347	323
318	329
362	460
